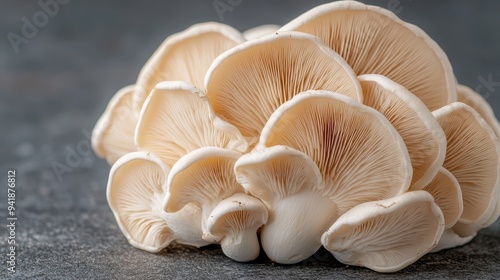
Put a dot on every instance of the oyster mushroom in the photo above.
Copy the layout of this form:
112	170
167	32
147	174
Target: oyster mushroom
356	156
113	134
420	131
136	188
177	119
186	56
246	84
386	235
205	177
236	220
260	31
374	40
473	157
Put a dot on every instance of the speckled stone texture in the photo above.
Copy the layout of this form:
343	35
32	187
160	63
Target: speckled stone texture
55	88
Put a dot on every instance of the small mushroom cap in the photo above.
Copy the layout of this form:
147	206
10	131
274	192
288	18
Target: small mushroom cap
477	102
260	31
447	194
359	153
450	239
177	119
135	192
246	84
113	134
472	156
386	235
420	131
186	56
204	177
236	219
290	185
374	40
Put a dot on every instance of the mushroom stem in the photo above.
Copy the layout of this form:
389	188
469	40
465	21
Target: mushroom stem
241	246
295	225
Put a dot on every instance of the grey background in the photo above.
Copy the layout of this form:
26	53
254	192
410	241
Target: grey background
55	88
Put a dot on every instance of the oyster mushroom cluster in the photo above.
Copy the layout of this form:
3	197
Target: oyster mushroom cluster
345	128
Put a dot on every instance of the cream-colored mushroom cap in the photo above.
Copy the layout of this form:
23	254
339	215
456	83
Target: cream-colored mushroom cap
260	31
374	40
186	56
473	158
447	194
420	131
290	185
246	84
113	134
204	177
360	154
236	219
177	119
135	192
477	102
386	235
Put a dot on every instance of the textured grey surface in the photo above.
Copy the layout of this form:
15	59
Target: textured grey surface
55	88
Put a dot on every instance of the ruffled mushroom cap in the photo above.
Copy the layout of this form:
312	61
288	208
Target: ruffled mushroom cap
477	102
472	156
203	177
386	235
420	131
135	192
236	220
177	119
260	31
374	40
289	183
113	134
186	56
248	83
359	153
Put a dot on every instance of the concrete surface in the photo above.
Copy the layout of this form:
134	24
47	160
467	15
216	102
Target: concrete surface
57	85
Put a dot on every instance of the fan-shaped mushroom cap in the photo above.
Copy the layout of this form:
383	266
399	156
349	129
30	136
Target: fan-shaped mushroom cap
204	177
186	56
386	235
421	133
260	31
290	184
113	134
136	188
447	194
177	119
477	102
236	219
374	40
359	153
472	157
248	83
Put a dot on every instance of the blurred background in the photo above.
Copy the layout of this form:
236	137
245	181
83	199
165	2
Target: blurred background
55	83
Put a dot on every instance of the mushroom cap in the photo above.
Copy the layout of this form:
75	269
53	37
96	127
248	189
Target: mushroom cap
236	219
374	40
260	31
477	102
289	183
449	239
359	153
420	131
177	118
186	56
113	134
473	157
135	191
247	83
447	194
386	235
203	177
